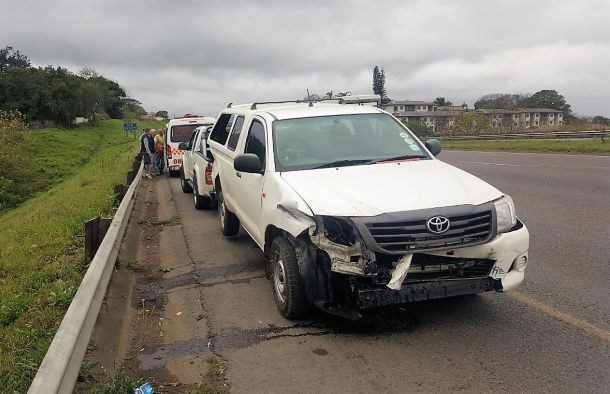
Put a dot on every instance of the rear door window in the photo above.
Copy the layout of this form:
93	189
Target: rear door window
255	143
182	133
239	122
220	132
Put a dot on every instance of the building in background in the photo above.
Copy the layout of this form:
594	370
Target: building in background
439	119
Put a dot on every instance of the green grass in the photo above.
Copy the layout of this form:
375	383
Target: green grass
592	146
41	255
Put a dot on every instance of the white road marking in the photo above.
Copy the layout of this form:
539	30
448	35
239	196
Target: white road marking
563	316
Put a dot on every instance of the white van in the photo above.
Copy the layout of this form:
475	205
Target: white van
180	130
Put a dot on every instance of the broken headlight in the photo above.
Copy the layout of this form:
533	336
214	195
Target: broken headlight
339	231
506	217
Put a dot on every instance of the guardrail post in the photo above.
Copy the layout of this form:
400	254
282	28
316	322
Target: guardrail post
95	231
119	192
130	177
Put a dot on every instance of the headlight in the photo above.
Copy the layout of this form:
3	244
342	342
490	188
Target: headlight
506	217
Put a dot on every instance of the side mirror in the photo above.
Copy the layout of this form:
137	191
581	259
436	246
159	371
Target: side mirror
184	146
248	163
434	146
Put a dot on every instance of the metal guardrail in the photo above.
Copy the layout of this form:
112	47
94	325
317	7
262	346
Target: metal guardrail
61	364
517	136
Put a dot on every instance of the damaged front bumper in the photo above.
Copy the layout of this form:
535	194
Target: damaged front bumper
370	297
498	264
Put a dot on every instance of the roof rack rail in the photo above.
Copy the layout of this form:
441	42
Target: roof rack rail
254	105
360	99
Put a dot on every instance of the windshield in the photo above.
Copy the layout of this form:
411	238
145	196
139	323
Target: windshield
308	143
183	133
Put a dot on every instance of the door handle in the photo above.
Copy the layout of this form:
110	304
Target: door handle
238	174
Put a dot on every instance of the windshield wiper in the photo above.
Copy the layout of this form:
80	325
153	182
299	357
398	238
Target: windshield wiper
344	163
401	157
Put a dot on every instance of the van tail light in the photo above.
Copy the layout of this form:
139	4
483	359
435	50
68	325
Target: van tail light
208	175
169	152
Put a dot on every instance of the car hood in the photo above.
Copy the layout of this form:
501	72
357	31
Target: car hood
370	190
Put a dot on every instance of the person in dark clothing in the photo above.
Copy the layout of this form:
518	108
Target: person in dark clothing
147	147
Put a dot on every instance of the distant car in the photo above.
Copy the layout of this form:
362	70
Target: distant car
181	130
196	169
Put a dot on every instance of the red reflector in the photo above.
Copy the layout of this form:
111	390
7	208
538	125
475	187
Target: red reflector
208	175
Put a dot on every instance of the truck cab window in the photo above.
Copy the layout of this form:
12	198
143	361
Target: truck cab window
239	122
255	143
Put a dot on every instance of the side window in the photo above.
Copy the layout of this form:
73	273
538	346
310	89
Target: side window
204	143
239	122
221	129
193	140
255	143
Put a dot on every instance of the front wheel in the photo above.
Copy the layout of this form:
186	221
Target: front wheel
288	289
229	223
183	183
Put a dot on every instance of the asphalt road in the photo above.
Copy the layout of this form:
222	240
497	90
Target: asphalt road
552	335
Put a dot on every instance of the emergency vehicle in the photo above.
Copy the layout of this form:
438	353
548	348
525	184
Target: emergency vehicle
180	130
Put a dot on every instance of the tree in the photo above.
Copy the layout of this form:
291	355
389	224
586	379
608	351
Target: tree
133	105
501	101
548	99
440	101
10	57
88	72
470	123
418	128
379	82
602	120
162	114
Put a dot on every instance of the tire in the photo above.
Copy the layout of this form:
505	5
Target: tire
288	289
183	183
229	223
201	202
173	173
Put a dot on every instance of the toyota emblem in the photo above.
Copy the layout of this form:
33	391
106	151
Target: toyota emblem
438	224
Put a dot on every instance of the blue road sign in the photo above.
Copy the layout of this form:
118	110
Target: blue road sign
130	126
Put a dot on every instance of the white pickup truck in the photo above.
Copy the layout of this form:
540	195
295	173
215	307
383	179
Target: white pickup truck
196	168
353	211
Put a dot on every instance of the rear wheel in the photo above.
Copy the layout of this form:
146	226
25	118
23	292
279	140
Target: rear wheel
173	173
183	183
229	223
201	202
288	289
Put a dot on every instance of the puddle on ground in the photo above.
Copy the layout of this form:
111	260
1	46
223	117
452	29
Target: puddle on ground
377	323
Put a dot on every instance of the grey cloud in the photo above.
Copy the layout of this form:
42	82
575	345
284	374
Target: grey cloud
195	56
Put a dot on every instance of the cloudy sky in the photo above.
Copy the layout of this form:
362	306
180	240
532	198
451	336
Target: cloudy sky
198	55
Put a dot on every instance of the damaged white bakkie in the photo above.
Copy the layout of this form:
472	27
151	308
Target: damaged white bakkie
353	211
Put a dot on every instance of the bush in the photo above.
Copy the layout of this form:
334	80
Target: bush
419	129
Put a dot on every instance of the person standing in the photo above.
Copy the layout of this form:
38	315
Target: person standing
145	151
159	152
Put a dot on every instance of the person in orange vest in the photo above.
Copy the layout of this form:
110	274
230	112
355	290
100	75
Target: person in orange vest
158	164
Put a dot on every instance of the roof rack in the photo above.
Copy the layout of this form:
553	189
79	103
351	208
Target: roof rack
360	99
356	99
254	105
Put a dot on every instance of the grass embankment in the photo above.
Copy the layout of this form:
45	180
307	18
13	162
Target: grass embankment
41	249
591	146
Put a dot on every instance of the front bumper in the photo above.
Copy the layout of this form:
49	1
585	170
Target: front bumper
505	248
422	291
